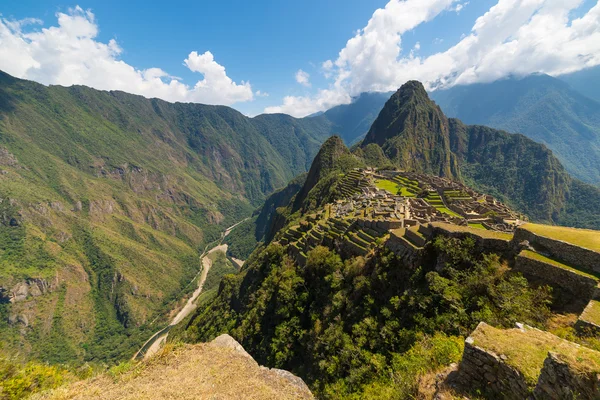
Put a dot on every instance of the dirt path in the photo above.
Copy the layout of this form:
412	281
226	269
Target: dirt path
155	343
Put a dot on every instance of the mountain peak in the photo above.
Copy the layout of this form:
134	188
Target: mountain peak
414	133
333	156
413	89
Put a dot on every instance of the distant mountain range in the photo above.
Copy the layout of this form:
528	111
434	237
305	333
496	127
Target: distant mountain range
352	121
586	82
541	107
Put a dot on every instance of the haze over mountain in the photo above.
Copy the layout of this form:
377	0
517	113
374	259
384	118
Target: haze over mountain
352	121
586	81
541	107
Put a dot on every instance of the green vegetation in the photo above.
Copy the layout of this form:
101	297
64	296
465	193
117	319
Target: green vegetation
242	240
580	237
477	226
366	324
475	231
221	266
436	201
20	381
390	186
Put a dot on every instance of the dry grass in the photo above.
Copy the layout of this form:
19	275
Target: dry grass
527	350
203	371
586	238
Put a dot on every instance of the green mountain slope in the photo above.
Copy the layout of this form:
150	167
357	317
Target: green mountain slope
413	133
540	107
107	199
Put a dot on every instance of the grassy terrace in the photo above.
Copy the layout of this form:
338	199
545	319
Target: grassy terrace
478	226
592	313
539	257
526	351
394	188
436	201
586	238
475	231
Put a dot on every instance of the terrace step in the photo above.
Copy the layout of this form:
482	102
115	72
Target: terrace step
412	235
588	322
572	279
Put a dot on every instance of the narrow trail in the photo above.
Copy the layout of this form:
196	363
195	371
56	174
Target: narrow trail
155	343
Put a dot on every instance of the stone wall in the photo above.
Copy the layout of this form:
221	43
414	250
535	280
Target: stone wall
575	283
559	381
381	226
484	244
560	250
486	371
403	249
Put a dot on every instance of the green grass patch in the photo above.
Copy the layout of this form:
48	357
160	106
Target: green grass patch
478	226
478	232
390	186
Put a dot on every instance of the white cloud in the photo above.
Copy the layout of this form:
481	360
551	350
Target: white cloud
259	93
69	54
303	78
458	8
368	61
515	37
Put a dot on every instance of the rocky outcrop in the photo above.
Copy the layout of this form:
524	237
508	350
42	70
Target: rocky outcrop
31	287
226	341
527	363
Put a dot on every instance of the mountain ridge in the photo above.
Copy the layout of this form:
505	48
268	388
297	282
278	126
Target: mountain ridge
541	107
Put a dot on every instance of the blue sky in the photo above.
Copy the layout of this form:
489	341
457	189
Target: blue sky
266	43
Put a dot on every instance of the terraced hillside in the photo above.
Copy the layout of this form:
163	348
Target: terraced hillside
380	287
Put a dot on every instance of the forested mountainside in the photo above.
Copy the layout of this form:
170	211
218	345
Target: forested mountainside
362	304
106	201
541	107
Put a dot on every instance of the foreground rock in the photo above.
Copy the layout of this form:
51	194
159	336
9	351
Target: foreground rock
221	369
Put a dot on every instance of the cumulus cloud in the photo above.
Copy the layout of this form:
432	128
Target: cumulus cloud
303	78
69	54
514	37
